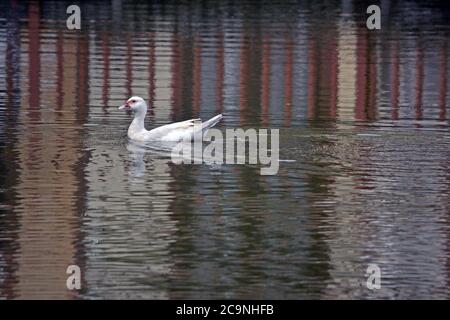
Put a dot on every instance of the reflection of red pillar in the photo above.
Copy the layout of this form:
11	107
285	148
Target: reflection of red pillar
265	80
312	78
220	73
176	74
334	70
366	84
151	73
105	56
12	56
9	65
395	72
372	99
129	65
443	81
288	66
9	75
59	70
83	74
361	80
243	74
34	56
419	81
197	75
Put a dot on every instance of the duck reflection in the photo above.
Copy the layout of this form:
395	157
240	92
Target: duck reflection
170	153
129	218
155	151
137	152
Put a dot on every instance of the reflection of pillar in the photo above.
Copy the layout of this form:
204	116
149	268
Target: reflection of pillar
69	73
346	80
372	67
47	212
34	61
446	165
288	74
129	65
361	75
419	80
83	75
443	81
59	70
312	78
151	72
9	66
12	59
176	74
8	159
366	77
197	75
220	72
395	72
265	80
334	71
243	76
105	57
34	57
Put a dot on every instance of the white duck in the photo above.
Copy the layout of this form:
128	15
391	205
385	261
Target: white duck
170	132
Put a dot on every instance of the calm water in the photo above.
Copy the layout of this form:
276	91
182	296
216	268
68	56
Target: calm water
363	117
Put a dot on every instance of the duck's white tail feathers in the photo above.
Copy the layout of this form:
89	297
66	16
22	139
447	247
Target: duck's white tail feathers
211	122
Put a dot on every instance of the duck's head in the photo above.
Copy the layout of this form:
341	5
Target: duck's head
136	104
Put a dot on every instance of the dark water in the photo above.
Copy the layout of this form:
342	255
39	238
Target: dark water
364	122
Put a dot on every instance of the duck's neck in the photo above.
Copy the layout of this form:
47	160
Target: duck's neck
137	124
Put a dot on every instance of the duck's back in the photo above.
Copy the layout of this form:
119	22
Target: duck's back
179	131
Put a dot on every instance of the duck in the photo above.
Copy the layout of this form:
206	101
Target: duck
173	132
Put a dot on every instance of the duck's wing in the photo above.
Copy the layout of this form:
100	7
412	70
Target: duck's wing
183	130
211	122
173	128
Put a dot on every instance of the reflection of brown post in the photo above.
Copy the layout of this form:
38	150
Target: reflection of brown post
129	65
395	72
334	70
34	56
288	74
151	73
9	278
9	75
243	74
419	80
366	86
443	81
361	79
83	75
176	74
9	62
197	75
105	56
372	67
265	80
47	213
312	79
59	70
220	72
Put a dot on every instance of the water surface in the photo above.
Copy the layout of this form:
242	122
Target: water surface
363	118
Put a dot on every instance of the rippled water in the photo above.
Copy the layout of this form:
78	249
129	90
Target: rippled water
364	123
